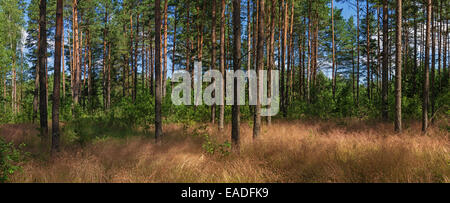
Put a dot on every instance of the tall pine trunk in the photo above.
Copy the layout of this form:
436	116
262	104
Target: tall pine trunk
222	63
42	54
260	66
398	68
213	55
433	59
56	76
235	134
158	97
174	43
333	51
164	78
283	57
426	70
384	88
368	51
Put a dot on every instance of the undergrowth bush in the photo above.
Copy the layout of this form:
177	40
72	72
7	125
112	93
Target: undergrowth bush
10	156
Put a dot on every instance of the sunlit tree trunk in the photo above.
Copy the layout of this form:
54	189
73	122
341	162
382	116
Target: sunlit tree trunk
108	88
132	55
439	44
174	43
426	70
63	70
249	39
260	63
152	70
188	42
368	51
158	97
290	64
272	53
222	63
36	86
333	51
76	56
433	59
398	68
283	57
385	61
89	69
213	54
105	32
378	49
164	78
357	52
414	72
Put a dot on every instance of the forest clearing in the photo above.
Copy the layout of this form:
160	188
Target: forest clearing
288	151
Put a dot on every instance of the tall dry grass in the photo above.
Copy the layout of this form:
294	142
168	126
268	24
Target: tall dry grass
294	151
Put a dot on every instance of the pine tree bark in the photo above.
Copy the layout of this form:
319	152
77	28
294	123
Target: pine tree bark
249	40
384	88
290	64
254	44
439	44
333	52
260	63
398	68
283	57
164	78
42	54
152	69
235	128
36	87
272	53
414	72
14	86
308	70
75	53
222	64
158	97
136	50
89	69
426	69
378	49
63	70
105	32
108	81
188	42
132	54
357	51
444	58
433	59
174	43
56	76
213	54
368	51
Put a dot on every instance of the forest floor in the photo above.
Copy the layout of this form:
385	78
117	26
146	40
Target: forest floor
287	151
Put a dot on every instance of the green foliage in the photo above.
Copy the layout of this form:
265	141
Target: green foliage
85	130
10	156
211	146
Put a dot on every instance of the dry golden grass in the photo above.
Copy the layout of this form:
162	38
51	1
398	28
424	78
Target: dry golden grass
294	151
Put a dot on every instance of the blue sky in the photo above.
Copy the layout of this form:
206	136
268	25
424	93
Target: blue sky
347	9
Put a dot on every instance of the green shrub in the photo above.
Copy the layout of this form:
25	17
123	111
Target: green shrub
10	156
